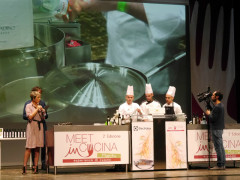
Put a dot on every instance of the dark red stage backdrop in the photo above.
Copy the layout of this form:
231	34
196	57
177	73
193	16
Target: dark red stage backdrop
213	53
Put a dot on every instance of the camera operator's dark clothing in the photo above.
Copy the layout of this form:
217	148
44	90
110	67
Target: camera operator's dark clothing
219	148
216	118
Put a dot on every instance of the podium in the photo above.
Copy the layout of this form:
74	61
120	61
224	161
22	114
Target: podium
159	145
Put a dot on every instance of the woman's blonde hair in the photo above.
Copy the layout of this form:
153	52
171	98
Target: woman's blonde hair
34	94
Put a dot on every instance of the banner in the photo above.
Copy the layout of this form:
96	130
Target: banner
176	150
198	149
142	146
91	148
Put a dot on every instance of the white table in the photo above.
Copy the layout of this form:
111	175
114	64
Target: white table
78	145
198	147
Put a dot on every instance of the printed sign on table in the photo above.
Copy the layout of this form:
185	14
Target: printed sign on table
142	146
176	150
198	149
91	147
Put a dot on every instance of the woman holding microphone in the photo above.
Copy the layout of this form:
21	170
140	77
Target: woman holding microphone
34	131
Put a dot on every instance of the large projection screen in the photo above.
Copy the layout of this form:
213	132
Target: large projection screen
126	50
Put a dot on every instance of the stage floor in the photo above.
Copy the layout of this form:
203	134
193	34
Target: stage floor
89	173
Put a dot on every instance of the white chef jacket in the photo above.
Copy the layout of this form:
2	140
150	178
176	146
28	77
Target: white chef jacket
177	107
145	106
135	44
129	110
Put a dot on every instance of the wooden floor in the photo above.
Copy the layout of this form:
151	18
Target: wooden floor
89	173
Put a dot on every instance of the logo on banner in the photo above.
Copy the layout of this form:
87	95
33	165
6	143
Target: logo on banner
83	145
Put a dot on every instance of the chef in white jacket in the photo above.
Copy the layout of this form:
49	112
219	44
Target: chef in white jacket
142	46
129	108
169	100
149	105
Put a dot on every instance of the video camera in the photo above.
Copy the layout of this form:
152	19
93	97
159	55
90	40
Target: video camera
205	96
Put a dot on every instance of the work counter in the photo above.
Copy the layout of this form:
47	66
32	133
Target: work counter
199	150
160	144
76	145
157	145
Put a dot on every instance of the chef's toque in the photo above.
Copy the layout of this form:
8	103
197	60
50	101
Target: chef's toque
148	89
130	90
171	91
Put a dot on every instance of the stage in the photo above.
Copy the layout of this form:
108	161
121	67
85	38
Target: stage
196	173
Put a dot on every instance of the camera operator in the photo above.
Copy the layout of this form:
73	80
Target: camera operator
216	121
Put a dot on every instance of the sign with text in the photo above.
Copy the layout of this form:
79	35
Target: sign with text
16	24
176	147
91	148
142	146
198	148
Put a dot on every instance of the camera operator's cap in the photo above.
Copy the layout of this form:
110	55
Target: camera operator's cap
171	91
148	89
130	90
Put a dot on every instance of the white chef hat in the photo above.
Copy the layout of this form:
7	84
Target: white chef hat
130	90
171	91
148	89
